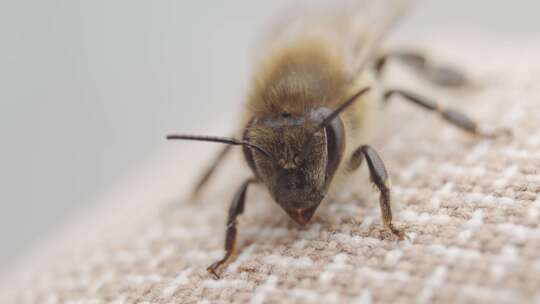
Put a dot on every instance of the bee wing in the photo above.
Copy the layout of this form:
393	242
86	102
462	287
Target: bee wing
354	27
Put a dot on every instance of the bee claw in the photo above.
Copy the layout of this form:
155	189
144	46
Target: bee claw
398	233
212	270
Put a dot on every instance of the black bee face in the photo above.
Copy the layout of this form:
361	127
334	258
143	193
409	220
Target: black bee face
302	161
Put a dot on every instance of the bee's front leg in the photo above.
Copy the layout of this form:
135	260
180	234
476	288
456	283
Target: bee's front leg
379	176
236	208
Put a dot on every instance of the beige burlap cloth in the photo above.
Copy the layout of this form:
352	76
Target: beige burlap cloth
470	209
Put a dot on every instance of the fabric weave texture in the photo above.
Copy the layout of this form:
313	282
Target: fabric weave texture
470	208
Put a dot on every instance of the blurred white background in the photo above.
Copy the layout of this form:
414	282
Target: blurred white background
88	89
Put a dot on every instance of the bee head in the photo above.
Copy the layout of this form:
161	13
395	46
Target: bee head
296	156
303	158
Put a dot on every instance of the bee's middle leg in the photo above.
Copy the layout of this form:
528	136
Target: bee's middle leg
452	116
236	208
440	75
379	176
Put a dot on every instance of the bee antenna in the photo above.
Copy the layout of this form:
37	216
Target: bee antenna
341	108
223	140
331	117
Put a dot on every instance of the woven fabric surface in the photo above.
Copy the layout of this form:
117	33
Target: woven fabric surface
470	208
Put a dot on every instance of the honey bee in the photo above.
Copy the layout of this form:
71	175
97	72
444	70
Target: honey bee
309	110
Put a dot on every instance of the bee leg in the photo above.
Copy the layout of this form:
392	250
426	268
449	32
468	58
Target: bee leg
454	117
236	208
201	182
379	176
441	75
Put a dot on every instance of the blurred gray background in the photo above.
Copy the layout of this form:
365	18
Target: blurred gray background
89	88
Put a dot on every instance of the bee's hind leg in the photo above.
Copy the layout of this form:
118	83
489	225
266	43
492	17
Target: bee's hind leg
379	176
236	208
454	117
440	75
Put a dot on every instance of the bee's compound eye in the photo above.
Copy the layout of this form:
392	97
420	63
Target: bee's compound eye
335	133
